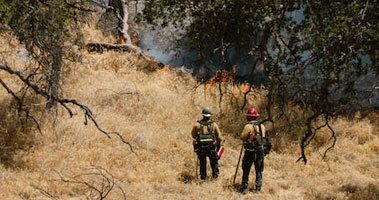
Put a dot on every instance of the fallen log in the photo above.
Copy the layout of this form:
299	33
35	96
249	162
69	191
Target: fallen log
101	46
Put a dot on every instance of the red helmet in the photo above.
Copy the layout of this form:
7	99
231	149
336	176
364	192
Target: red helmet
252	112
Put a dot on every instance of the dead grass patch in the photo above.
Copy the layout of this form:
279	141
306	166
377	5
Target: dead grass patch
157	119
367	192
17	136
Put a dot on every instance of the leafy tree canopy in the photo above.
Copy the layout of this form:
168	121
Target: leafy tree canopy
312	52
49	30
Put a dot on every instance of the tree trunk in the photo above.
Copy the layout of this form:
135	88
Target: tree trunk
124	27
54	78
115	20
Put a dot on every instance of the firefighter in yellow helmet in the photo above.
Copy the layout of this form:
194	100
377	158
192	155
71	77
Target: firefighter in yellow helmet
207	140
252	136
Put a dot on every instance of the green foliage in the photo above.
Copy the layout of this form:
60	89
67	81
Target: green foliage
332	45
49	30
42	25
313	60
336	42
214	26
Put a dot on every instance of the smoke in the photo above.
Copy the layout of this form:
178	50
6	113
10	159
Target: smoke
168	45
151	41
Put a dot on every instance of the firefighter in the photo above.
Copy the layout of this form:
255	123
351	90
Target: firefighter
207	141
252	135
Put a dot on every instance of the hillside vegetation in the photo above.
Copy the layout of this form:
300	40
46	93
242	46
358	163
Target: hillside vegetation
155	111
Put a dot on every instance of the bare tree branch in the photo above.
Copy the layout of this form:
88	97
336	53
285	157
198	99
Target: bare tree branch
220	96
21	106
363	11
334	140
304	141
45	193
125	92
99	182
87	111
315	132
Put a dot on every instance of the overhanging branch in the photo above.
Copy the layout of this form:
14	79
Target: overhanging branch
304	141
334	139
21	106
64	102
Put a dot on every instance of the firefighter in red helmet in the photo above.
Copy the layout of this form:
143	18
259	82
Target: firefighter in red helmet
252	136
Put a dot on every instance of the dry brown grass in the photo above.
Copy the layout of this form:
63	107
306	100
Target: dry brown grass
155	111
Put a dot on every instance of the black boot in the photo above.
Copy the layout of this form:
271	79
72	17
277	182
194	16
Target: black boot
244	189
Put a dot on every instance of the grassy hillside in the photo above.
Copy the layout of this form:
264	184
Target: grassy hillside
155	110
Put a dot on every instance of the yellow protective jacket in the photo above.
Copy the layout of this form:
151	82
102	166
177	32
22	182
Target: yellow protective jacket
214	127
251	128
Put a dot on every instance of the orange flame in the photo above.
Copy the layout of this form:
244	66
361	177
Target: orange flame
121	40
294	104
245	86
222	76
211	82
166	68
375	115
